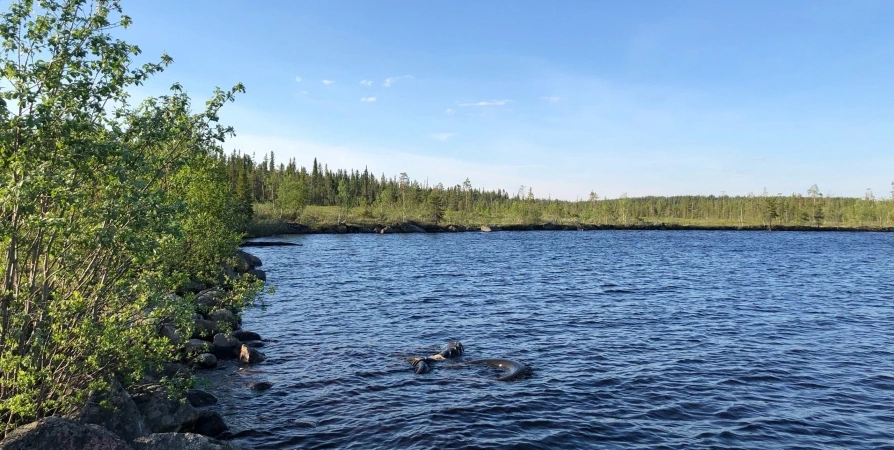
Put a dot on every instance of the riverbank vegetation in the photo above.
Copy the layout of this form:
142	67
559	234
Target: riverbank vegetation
320	198
106	208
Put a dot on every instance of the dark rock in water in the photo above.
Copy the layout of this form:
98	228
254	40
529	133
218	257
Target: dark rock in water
194	346
205	329
121	416
55	433
162	413
341	228
205	361
259	274
226	346
254	344
243	335
209	423
260	385
248	355
199	398
182	441
252	260
386	230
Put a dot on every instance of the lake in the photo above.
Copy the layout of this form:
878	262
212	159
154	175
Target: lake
636	339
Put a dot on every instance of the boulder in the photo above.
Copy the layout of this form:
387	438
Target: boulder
341	228
162	413
193	286
209	423
205	361
205	329
119	415
410	228
260	385
386	230
57	433
228	272
182	441
224	318
194	346
254	344
248	355
243	335
170	331
175	370
252	259
226	346
259	274
210	298
199	398
486	229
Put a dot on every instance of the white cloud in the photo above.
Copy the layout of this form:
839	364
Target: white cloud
366	82
551	99
442	136
297	79
368	99
328	82
391	80
449	111
490	103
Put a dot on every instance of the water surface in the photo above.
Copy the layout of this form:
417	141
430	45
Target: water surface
637	339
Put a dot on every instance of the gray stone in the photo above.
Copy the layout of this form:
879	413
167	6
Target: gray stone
260	385
386	230
182	441
252	259
243	335
55	433
205	361
226	346
121	416
210	298
205	329
410	228
209	423
197	346
259	274
198	398
170	331
162	413
248	355
224	318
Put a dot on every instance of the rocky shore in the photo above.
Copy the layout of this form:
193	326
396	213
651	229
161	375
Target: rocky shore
146	416
412	227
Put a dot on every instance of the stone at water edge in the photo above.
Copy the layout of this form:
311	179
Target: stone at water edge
205	329
486	229
254	344
226	346
162	413
260	385
209	423
224	316
210	298
259	274
62	434
199	398
248	355
121	417
182	441
243	335
198	346
169	331
205	361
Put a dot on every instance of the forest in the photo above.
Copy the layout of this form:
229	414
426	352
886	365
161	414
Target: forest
283	192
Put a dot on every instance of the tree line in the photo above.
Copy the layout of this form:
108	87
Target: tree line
287	189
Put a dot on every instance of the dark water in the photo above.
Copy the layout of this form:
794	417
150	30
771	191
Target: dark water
636	339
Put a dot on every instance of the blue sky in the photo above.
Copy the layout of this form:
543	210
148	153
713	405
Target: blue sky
642	97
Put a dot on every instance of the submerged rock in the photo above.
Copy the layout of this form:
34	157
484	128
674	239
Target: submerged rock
182	441
260	385
62	434
248	355
199	398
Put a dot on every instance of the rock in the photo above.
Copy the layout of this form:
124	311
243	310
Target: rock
199	398
341	228
226	346
228	272
175	370
210	298
254	344
205	361
250	259
377	229
386	230
193	286
120	417
162	413
209	423
410	228
205	329
169	331
248	355
549	226
259	274
243	335
260	385
56	433
452	229
224	318
182	441
486	229
198	346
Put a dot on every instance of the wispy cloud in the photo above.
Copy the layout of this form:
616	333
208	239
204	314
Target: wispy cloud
303	92
490	103
368	99
297	79
328	82
391	80
551	99
449	111
442	136
366	82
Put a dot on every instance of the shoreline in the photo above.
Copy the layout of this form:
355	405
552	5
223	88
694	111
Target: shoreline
292	228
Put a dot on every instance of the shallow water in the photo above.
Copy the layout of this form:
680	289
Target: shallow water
637	339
